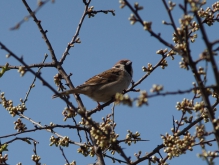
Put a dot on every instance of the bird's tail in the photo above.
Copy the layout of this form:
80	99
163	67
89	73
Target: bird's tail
65	93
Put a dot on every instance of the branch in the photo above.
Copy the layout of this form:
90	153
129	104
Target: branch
66	52
159	147
63	154
135	140
190	126
26	139
88	113
98	152
102	11
31	66
45	127
42	31
114	159
146	75
58	65
198	78
157	36
178	92
31	86
34	73
172	20
50	130
205	142
40	5
209	47
50	87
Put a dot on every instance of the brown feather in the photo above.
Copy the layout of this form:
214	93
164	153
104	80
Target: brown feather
103	78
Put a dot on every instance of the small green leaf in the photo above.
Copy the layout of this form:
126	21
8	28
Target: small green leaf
4	69
3	147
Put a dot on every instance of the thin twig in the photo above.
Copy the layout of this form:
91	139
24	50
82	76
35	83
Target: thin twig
157	36
66	52
134	140
118	160
205	142
172	20
28	16
113	113
128	90
42	31
30	66
45	83
77	129
31	86
45	127
159	147
26	139
209	47
63	154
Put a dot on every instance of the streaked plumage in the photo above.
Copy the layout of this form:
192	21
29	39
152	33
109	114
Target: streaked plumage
104	86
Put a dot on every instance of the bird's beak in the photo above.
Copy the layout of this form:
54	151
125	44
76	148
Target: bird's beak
129	63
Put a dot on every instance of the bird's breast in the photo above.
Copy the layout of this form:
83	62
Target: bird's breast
105	92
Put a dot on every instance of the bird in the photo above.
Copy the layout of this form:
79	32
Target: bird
103	87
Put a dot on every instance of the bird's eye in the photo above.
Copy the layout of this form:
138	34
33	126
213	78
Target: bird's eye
117	66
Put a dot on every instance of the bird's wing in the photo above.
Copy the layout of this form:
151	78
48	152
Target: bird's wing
108	76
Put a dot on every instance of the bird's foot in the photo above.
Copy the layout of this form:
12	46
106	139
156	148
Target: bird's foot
99	106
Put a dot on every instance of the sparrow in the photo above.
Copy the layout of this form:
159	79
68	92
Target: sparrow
102	87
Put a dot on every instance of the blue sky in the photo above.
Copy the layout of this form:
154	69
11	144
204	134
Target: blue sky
105	40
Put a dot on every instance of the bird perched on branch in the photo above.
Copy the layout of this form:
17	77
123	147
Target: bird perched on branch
104	86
